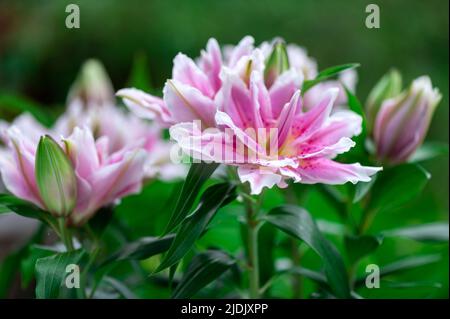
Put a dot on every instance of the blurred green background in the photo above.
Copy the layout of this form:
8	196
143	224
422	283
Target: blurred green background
39	59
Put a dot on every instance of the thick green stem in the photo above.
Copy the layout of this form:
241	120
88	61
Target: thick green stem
252	244
65	234
297	280
253	259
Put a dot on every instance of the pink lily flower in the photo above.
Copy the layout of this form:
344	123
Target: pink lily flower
91	104
191	92
102	177
233	116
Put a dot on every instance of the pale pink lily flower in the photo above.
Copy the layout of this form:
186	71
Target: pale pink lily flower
91	104
234	117
402	122
195	83
302	148
102	177
190	94
124	130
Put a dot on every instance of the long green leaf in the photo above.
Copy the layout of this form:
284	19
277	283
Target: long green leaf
51	273
28	263
23	208
403	265
143	248
396	186
326	74
197	176
434	232
193	226
298	223
204	268
120	287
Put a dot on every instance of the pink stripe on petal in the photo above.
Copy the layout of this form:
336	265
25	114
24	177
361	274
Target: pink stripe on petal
187	103
287	117
283	89
308	123
187	72
211	63
145	105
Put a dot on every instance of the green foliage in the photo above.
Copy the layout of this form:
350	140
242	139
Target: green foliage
51	273
298	223
197	176
361	246
397	185
195	224
127	241
203	269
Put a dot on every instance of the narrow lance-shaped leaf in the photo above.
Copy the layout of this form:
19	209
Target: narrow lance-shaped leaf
197	176
434	232
143	248
297	222
204	268
326	74
402	266
120	287
193	226
23	208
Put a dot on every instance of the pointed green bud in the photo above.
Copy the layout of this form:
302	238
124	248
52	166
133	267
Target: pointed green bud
92	86
390	85
277	63
55	178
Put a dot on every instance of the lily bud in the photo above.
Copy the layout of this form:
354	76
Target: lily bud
277	63
390	85
402	122
55	178
93	86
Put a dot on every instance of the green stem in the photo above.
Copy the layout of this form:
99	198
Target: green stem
65	234
297	279
85	273
252	244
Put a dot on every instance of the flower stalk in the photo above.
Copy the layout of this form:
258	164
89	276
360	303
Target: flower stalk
252	244
65	234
